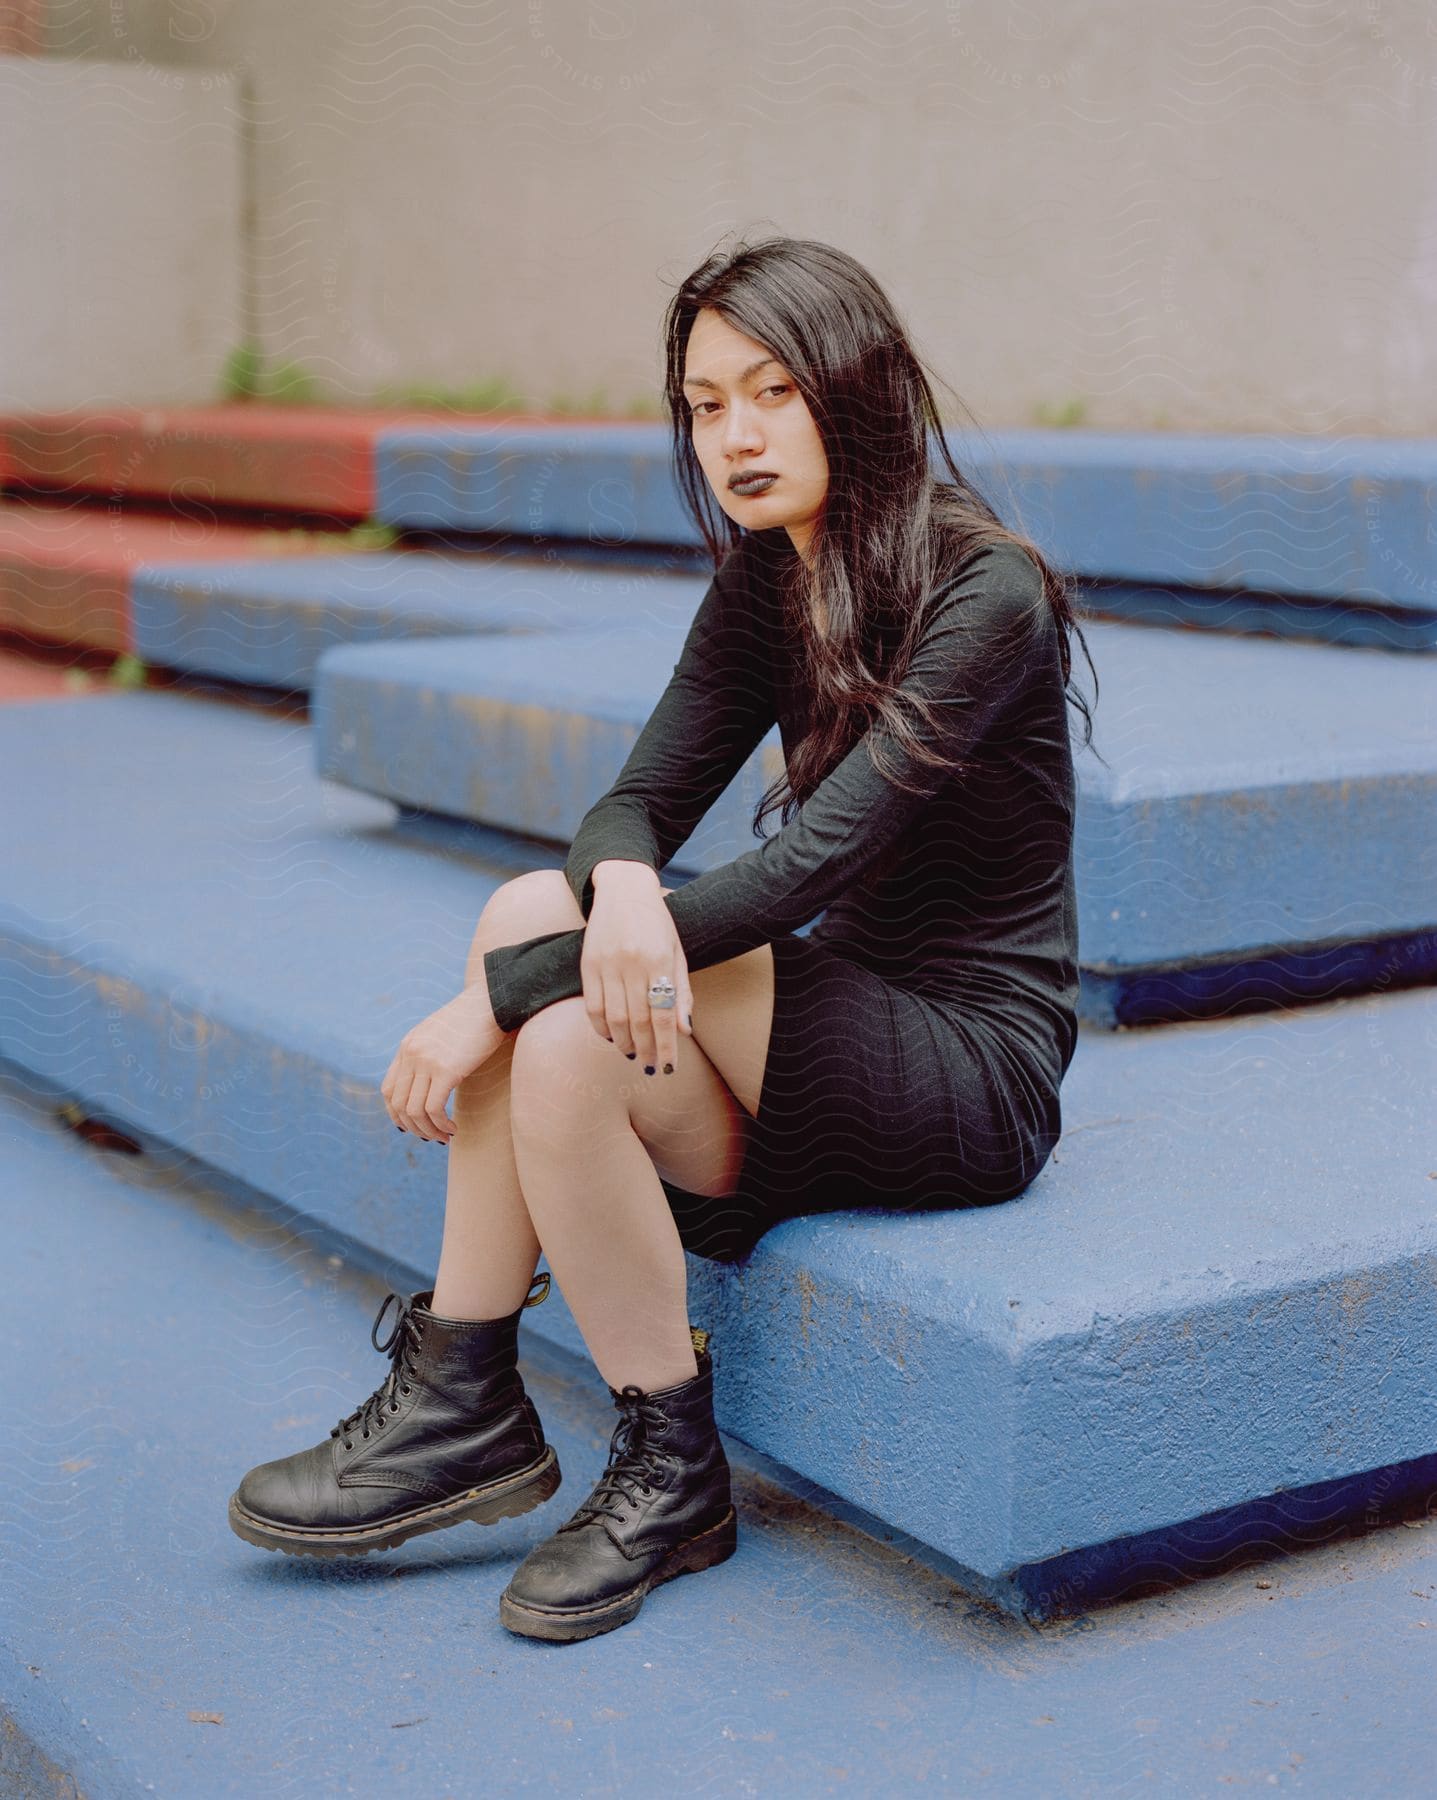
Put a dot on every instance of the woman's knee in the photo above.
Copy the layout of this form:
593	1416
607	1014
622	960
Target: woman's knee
537	892
540	900
570	1089
561	1070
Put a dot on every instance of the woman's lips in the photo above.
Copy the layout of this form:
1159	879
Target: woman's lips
756	484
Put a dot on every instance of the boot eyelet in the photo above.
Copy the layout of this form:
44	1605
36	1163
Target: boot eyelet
394	1406
405	1390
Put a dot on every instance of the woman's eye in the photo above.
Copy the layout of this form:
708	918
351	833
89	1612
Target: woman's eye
700	408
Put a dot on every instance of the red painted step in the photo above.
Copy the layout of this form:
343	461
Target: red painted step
23	678
65	571
308	459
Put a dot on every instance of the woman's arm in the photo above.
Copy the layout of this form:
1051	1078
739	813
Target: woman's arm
717	706
984	636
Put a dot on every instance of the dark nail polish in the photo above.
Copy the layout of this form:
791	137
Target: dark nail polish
689	1020
648	1068
668	1068
631	1054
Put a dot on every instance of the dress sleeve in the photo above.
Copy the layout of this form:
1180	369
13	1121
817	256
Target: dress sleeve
983	640
717	707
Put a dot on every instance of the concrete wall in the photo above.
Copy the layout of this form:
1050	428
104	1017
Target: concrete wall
121	234
1189	216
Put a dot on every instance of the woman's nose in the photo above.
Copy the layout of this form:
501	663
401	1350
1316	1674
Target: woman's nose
740	430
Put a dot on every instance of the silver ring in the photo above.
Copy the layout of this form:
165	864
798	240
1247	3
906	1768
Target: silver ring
662	994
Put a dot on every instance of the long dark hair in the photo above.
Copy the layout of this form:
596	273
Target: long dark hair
896	532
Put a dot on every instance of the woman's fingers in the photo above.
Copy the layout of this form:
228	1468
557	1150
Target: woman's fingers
618	1008
683	993
657	1040
403	1089
666	1036
414	1107
666	1019
413	1113
616	1017
641	1022
433	1058
441	1126
386	1090
596	1004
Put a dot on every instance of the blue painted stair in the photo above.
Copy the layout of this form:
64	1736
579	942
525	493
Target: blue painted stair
1262	826
205	942
1314	518
1325	540
1247	516
266	623
145	1649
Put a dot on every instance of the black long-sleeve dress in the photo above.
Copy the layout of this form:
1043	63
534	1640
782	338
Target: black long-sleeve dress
922	1028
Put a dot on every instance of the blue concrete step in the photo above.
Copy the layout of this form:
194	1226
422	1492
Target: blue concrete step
144	1648
67	571
1327	519
1218	1290
1313	538
266	619
267	622
1264	831
1336	518
1348	625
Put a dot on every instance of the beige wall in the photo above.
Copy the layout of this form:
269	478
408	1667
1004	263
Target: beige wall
119	231
1158	214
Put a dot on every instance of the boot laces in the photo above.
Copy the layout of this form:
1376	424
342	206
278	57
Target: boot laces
634	1462
402	1346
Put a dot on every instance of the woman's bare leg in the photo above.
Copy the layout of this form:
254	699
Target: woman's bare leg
594	1195
559	1139
490	1248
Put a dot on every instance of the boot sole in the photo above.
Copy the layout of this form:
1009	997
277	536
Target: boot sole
713	1546
503	1499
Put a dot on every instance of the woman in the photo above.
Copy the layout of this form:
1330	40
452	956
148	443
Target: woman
906	1053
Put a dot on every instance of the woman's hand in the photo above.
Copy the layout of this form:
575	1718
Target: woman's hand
630	941
434	1057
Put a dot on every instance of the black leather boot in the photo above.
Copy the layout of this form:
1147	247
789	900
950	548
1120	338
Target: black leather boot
449	1434
662	1507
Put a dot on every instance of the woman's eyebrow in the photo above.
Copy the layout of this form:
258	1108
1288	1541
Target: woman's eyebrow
744	374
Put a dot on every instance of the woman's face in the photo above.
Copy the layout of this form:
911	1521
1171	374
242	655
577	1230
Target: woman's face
749	418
